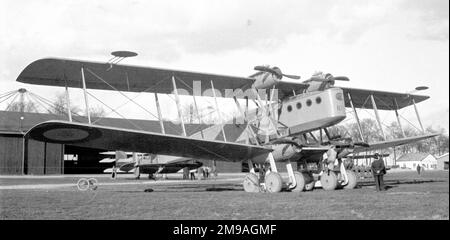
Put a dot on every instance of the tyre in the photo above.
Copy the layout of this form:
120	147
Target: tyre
329	181
92	183
300	179
83	184
251	183
273	182
352	180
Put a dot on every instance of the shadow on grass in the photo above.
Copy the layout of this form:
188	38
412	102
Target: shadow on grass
398	182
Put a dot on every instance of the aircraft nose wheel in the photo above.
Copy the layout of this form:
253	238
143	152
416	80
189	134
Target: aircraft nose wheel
273	182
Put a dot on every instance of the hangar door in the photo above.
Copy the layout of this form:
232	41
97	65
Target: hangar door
43	158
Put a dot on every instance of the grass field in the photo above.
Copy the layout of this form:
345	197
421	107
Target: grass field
409	196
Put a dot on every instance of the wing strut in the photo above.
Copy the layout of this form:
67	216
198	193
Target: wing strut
398	118
417	114
375	109
248	128
158	107
361	135
177	100
218	111
69	113
85	95
198	115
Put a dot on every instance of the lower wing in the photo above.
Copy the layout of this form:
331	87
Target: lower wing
110	138
392	143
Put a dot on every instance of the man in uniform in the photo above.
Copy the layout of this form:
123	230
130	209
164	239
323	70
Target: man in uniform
378	170
331	158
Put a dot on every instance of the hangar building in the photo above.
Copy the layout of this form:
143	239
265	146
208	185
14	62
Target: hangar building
25	156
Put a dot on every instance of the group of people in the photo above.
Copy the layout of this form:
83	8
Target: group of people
201	173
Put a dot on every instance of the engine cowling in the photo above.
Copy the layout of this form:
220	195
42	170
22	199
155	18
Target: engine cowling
285	151
265	81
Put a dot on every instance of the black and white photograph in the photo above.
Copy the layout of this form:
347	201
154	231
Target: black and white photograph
224	110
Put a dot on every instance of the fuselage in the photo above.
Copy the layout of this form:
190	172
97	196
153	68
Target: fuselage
312	110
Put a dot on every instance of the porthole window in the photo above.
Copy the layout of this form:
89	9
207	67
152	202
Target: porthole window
289	108
299	105
308	102
318	100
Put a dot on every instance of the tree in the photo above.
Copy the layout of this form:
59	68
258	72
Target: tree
59	106
22	107
395	132
97	112
370	130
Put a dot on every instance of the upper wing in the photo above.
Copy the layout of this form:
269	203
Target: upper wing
286	87
109	138
392	143
62	72
383	100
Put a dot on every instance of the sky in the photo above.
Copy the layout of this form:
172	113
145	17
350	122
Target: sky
392	45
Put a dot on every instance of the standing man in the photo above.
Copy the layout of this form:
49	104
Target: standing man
418	168
378	170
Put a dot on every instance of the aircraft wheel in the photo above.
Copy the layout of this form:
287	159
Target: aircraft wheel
310	183
310	186
352	180
329	180
300	179
83	184
251	183
273	182
92	183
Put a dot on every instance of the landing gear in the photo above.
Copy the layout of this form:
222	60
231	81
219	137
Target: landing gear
251	183
310	182
273	182
329	180
310	186
352	180
300	179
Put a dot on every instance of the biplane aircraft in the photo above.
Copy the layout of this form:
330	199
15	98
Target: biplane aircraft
279	130
150	164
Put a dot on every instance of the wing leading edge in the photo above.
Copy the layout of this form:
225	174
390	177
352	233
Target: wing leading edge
66	72
383	100
393	143
109	138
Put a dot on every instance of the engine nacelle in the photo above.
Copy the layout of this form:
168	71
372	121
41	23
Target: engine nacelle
265	80
284	151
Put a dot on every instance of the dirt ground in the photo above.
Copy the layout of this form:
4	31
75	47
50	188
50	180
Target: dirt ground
409	196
